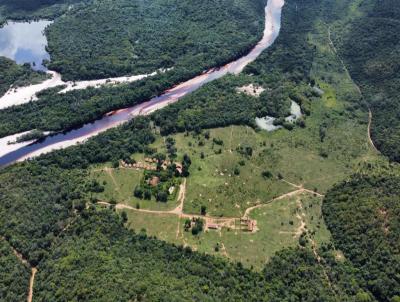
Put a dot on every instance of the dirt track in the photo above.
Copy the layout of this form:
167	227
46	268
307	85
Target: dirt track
31	283
222	221
369	131
371	142
33	269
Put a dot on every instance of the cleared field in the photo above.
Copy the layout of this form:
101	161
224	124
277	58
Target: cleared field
226	179
162	226
119	185
278	225
238	167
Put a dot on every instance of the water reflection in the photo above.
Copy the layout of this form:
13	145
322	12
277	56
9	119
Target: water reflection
62	140
25	42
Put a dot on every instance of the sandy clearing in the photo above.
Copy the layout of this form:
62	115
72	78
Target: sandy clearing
251	89
6	148
22	95
271	31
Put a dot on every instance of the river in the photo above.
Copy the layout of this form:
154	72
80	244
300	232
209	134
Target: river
272	26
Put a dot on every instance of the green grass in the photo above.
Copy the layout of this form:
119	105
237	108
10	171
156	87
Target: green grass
162	226
299	156
314	219
119	185
277	223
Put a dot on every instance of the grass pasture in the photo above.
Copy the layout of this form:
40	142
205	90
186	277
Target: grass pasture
119	185
238	167
278	227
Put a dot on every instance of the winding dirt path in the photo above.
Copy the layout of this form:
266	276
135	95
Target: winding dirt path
221	221
110	173
224	251
369	131
31	283
290	194
300	215
371	142
26	263
181	198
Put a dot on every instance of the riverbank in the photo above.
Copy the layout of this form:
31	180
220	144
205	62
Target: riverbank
22	95
271	31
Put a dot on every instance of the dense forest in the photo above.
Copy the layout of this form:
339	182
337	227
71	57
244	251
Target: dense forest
17	75
220	104
57	112
78	250
283	70
27	9
14	275
36	202
372	56
86	253
296	275
28	5
114	38
363	215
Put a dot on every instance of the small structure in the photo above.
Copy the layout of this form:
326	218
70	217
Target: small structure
138	165
248	224
154	181
179	167
212	226
251	225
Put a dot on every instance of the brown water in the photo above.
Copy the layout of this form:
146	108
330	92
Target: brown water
271	31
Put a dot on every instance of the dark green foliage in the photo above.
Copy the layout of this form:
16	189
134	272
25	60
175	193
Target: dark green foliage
17	75
138	192
159	182
186	163
35	204
98	250
283	69
216	105
112	38
219	104
14	275
162	196
32	135
97	259
187	225
363	216
198	226
296	275
291	55
95	187
266	174
57	112
277	101
29	4
370	47
115	144
27	10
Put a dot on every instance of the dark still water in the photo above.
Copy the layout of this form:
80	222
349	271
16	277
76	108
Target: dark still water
272	27
25	42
